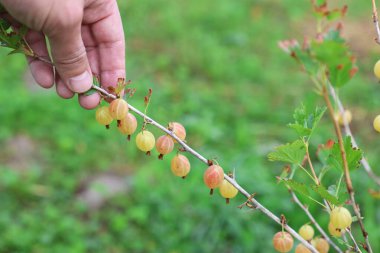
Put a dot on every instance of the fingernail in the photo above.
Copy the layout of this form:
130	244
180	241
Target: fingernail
80	83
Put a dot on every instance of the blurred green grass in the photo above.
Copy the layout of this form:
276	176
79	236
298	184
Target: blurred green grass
215	67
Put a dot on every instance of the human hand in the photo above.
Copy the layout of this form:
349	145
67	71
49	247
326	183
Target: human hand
85	37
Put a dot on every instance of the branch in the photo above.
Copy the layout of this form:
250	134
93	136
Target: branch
357	249
349	186
319	228
375	19
187	148
348	132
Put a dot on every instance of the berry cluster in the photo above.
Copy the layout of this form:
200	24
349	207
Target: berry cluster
145	141
340	219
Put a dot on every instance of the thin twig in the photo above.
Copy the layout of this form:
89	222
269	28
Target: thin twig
375	19
346	171
312	219
348	132
317	182
357	249
257	205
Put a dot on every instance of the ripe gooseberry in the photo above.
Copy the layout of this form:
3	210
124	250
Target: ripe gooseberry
321	245
376	123
376	69
335	231
145	141
128	125
103	116
178	130
118	109
282	242
227	190
307	232
302	249
340	218
180	166
164	145
344	118
213	177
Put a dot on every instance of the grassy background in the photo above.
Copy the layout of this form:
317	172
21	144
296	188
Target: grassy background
215	67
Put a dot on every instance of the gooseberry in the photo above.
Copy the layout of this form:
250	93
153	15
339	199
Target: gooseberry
128	125
103	116
180	166
227	190
213	177
340	218
145	141
282	242
164	145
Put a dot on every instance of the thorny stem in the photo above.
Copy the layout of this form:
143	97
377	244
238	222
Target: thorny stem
312	219
187	148
348	132
375	19
349	186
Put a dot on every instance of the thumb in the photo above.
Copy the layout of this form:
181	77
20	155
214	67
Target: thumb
70	58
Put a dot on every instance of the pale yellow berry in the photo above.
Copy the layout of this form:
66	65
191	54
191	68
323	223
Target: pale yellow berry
335	231
376	123
340	218
376	69
307	232
344	118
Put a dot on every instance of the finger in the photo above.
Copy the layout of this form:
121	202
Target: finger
90	101
91	49
70	58
62	90
42	72
109	37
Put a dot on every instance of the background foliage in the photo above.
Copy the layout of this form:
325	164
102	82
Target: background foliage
215	67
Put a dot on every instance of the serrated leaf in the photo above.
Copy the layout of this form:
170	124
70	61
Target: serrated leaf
321	190
305	122
353	155
335	55
290	153
297	187
303	57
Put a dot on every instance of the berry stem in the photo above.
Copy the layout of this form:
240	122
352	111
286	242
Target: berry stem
347	130
347	176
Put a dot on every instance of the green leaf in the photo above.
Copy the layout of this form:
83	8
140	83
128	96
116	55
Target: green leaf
353	155
320	2
310	65
290	153
297	187
305	122
335	55
321	190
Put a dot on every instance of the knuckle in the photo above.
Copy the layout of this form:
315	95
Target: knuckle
72	60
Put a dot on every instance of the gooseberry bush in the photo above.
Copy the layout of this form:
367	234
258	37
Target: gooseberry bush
329	63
